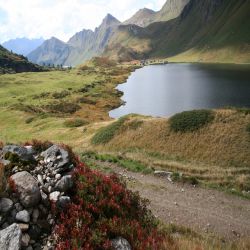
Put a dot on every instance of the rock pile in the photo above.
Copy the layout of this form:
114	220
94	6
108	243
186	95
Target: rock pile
38	181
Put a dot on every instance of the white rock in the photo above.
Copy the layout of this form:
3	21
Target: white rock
10	238
120	244
58	176
23	216
54	196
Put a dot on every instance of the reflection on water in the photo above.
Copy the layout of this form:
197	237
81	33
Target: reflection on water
164	90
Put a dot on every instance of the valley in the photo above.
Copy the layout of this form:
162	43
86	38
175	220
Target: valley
172	138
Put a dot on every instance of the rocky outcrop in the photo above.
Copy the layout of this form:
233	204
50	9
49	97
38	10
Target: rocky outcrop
121	244
26	187
23	153
10	238
37	182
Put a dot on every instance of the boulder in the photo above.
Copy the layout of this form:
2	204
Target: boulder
65	184
120	244
59	158
54	196
25	154
27	188
5	205
10	238
23	216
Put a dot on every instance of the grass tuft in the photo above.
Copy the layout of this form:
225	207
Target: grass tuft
106	134
190	121
75	123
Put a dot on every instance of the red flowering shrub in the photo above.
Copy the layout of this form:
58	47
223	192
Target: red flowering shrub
103	209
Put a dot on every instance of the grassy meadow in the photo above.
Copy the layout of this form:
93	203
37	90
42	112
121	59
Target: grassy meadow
216	154
53	105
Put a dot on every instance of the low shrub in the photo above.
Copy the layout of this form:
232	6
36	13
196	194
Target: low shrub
103	209
189	121
39	146
74	123
61	95
62	107
245	111
103	62
106	134
86	101
29	120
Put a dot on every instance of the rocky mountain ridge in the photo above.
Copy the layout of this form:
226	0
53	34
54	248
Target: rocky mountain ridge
170	10
81	47
211	28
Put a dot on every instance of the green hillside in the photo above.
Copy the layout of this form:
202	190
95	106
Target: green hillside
13	63
210	30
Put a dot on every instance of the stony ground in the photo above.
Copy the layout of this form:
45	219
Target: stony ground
203	210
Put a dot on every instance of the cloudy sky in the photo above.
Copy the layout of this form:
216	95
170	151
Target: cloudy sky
62	18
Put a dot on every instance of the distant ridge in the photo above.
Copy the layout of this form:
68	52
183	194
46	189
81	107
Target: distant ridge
22	46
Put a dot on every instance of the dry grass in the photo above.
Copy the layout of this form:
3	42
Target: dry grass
217	153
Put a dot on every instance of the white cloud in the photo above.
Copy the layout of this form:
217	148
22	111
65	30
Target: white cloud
62	18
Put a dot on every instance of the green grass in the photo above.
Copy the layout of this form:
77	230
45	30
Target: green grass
46	105
190	121
106	134
129	164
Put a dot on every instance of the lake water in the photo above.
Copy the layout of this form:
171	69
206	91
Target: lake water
163	90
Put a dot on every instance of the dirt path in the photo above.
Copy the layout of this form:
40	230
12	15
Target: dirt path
204	210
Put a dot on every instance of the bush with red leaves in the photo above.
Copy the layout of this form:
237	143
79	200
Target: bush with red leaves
102	209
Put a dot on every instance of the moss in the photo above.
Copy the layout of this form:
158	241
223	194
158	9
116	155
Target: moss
189	121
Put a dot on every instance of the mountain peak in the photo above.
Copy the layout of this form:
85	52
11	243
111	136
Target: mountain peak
146	10
110	20
141	18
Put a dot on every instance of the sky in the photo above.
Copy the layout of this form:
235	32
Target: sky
62	18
